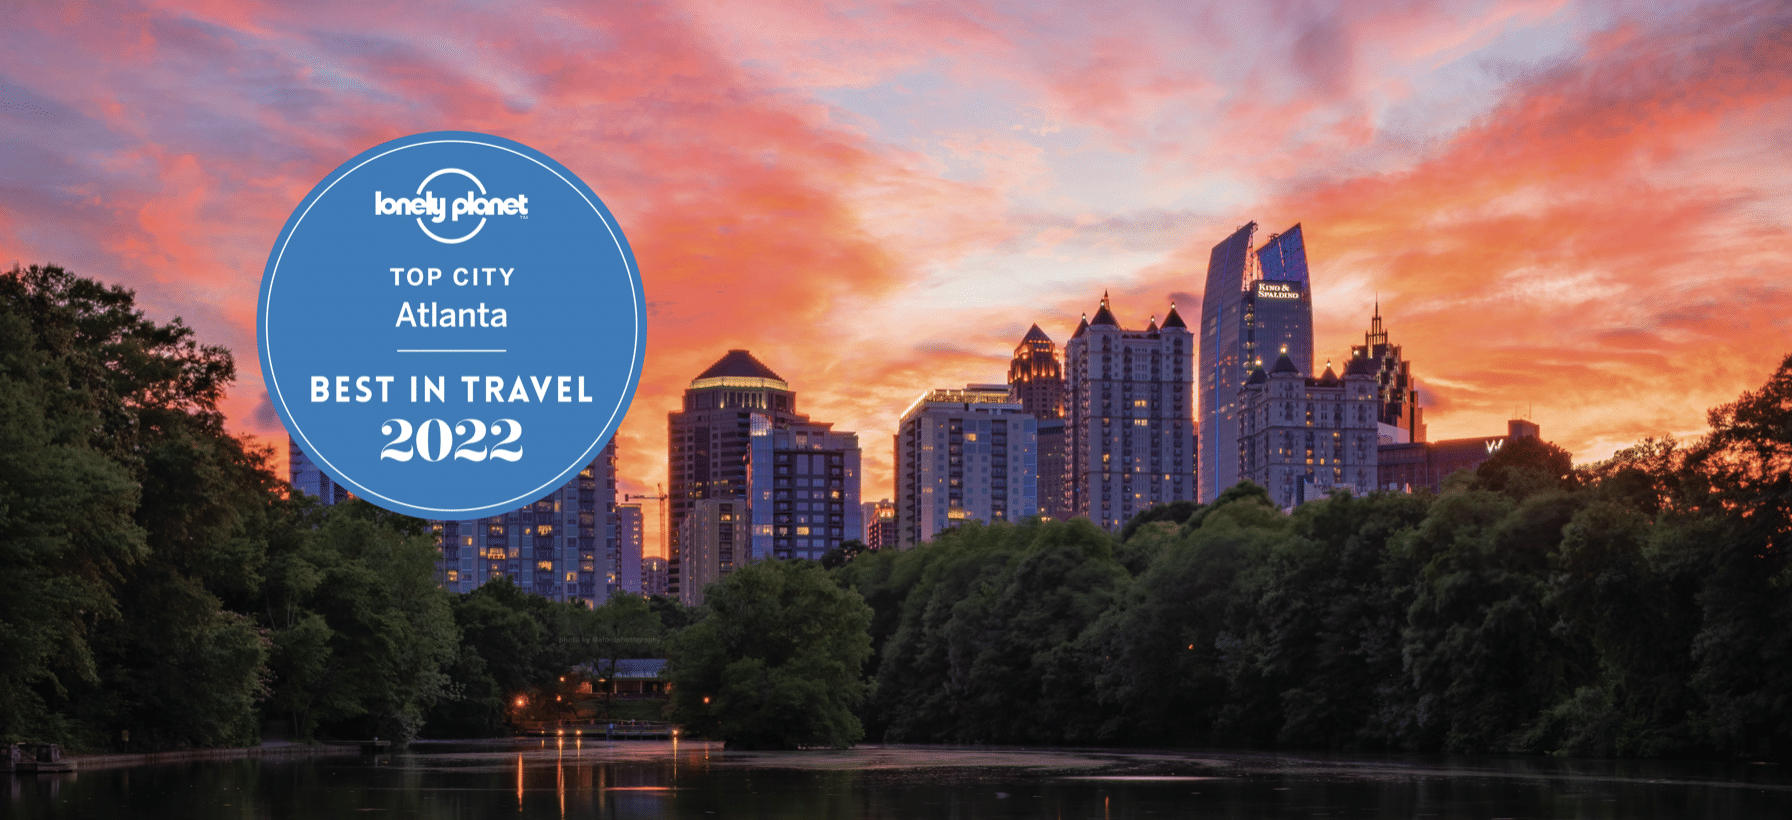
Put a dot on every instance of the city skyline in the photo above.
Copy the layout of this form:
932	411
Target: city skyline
1560	205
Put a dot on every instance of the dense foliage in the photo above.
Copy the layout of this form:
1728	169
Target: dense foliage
163	590
775	663
1634	608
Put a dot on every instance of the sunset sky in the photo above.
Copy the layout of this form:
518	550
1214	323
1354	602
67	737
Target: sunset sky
1576	210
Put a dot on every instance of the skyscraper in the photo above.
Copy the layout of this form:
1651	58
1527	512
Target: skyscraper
1130	430
879	518
1036	380
708	439
308	478
963	455
1256	303
803	483
714	543
1402	420
562	546
630	539
1303	437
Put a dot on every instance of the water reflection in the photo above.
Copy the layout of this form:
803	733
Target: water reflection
579	777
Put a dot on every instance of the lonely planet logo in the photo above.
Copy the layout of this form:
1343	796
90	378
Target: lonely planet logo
426	205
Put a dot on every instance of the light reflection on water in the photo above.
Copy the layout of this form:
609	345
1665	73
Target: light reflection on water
576	777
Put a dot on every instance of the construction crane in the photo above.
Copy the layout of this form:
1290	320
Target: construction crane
665	537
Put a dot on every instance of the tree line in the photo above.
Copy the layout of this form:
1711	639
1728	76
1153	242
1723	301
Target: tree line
1637	608
161	588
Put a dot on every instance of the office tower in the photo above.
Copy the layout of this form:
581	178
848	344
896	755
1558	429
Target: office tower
715	542
1129	430
1423	465
1256	304
963	455
803	482
1035	376
630	539
880	524
561	546
309	479
708	439
1036	380
1302	438
1402	420
653	576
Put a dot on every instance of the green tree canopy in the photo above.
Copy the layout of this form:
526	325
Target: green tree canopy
776	662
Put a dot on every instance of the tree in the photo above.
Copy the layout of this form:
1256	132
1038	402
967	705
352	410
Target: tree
1742	473
776	663
130	524
361	633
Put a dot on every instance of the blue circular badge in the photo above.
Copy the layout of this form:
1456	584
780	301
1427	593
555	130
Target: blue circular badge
451	325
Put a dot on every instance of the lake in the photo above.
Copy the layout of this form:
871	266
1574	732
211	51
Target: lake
629	779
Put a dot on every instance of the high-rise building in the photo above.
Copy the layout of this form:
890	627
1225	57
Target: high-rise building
562	546
1130	428
1302	437
803	483
715	542
962	455
308	478
1035	376
1257	303
1036	380
653	577
630	539
879	518
1402	420
708	439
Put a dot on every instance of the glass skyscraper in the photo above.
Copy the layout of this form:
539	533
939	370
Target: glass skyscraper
1256	304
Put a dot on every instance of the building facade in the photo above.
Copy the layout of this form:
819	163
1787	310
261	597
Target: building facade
1301	438
562	546
1402	420
879	518
803	487
653	576
1258	303
1423	465
964	455
1036	381
709	437
309	479
1129	427
630	545
715	541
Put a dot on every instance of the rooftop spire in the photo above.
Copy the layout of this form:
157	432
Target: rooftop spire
1174	319
1104	316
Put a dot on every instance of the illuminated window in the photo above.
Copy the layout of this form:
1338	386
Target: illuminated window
802	530
466	540
453	575
545	565
572	576
544	529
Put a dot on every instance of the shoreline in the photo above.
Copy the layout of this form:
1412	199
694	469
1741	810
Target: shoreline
279	748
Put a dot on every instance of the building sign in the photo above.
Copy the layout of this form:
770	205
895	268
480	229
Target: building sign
1277	290
451	325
